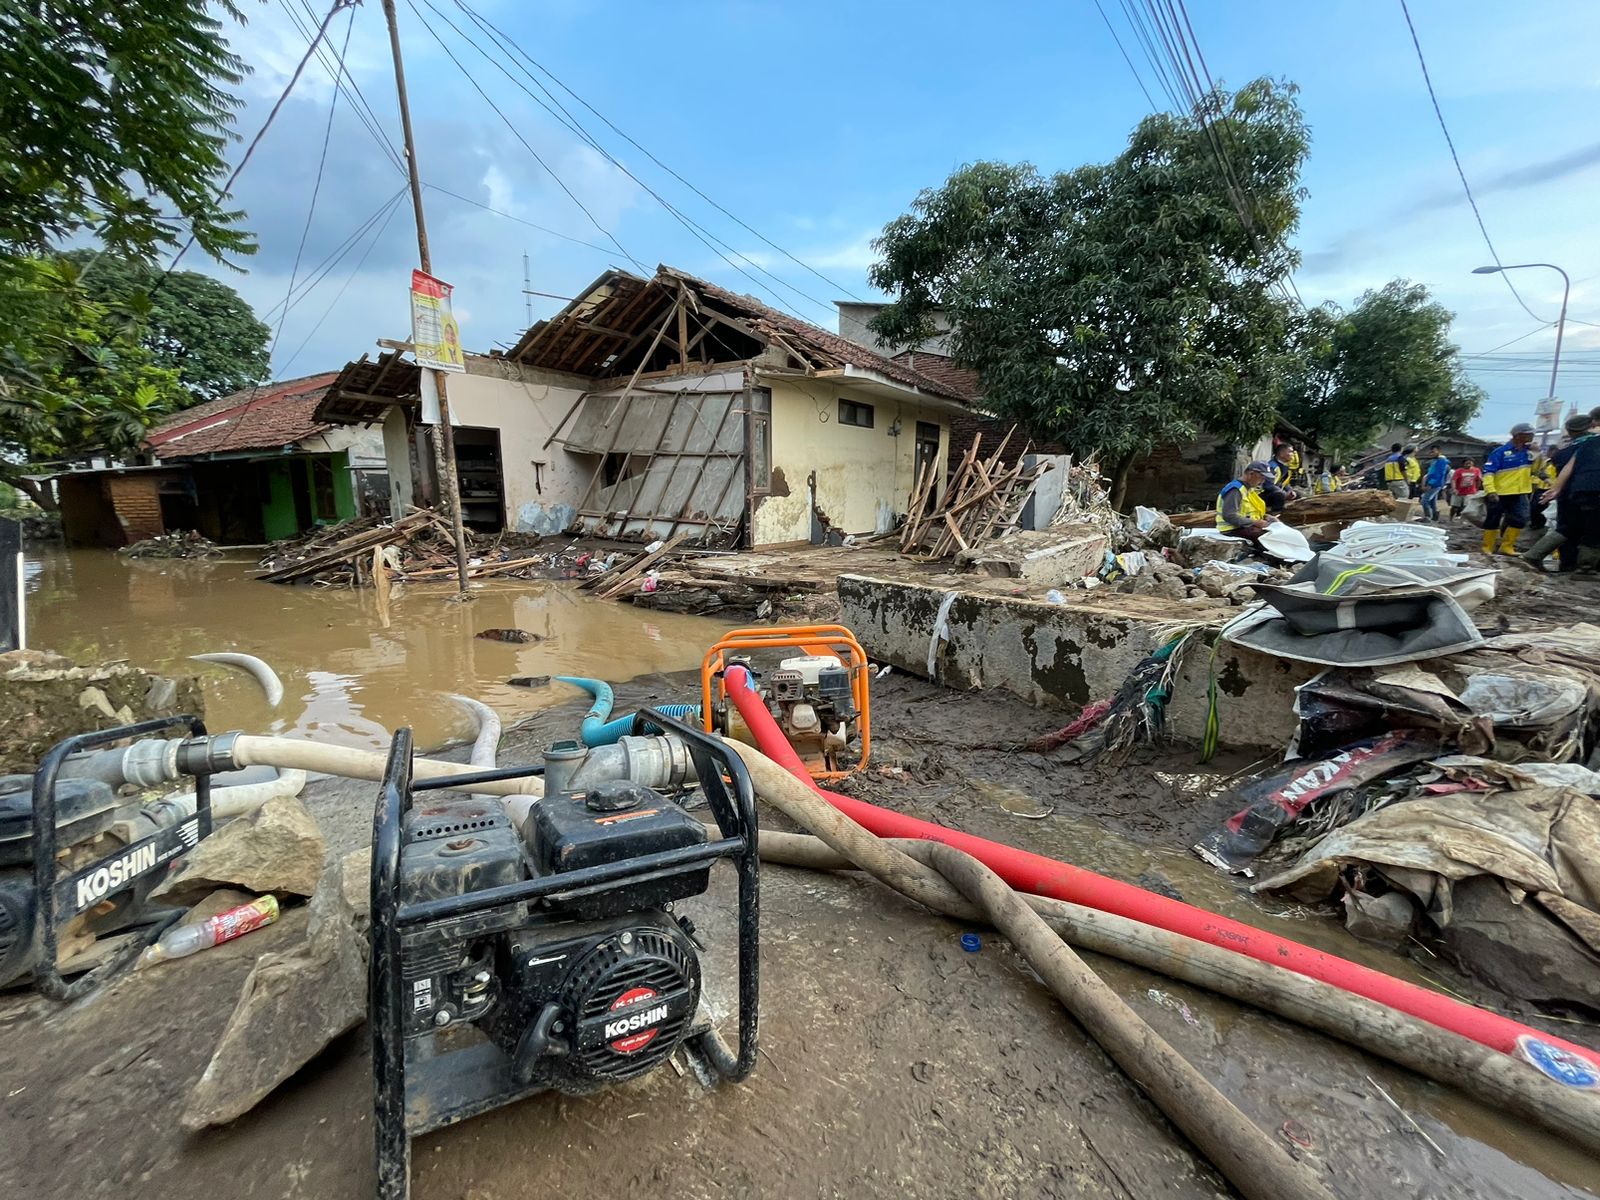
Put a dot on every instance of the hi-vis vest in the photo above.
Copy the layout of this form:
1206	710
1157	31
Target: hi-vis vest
1508	471
1394	469
1251	506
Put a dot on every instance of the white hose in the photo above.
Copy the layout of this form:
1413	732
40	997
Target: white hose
485	757
252	666
230	802
291	753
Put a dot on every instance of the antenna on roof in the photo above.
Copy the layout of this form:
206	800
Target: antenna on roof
527	283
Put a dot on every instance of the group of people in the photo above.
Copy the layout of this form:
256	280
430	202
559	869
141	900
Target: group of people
1518	483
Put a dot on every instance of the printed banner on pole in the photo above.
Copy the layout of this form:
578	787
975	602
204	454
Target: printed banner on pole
435	336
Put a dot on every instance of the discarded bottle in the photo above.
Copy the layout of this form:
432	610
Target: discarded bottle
183	940
1054	596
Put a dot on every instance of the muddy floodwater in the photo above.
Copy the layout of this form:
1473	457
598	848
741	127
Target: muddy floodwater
347	679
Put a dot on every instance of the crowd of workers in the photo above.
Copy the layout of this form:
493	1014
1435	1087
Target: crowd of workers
1517	481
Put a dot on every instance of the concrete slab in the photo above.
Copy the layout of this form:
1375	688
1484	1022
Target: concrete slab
1066	655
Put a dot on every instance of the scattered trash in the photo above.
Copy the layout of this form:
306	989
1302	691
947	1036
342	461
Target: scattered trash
528	681
508	635
1054	596
183	543
1297	1134
183	940
1168	1000
971	943
1020	804
1405	1116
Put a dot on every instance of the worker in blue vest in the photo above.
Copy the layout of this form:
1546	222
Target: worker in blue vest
1577	491
1508	482
1277	491
1241	508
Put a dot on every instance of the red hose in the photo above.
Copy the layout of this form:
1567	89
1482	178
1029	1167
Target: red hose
1047	877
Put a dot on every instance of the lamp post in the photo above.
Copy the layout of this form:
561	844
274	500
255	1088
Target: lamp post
1561	321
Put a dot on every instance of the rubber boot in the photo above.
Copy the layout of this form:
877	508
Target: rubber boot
1490	537
1549	542
1588	560
1508	541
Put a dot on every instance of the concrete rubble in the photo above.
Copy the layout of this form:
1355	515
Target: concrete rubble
278	848
294	1002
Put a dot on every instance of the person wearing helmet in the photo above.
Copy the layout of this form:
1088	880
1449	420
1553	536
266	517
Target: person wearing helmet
1241	508
1508	484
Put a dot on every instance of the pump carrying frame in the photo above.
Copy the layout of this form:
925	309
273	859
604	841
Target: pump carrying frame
53	895
416	1092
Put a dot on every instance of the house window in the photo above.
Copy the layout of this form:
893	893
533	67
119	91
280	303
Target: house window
851	413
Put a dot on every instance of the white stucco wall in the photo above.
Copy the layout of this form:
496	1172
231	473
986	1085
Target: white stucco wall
864	476
524	405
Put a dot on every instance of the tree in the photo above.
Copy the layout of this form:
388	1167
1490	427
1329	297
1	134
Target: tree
89	385
197	325
1117	306
114	119
1388	361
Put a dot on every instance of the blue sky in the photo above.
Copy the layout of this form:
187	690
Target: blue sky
817	123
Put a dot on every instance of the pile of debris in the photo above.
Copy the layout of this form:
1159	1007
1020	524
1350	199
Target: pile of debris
182	543
984	499
1310	511
417	548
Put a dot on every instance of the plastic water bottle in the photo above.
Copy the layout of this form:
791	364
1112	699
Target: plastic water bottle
183	940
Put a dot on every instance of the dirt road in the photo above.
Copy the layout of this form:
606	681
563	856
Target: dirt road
894	1062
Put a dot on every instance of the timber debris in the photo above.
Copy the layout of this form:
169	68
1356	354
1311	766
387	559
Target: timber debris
984	500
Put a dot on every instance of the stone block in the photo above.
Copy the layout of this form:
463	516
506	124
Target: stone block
1066	655
278	848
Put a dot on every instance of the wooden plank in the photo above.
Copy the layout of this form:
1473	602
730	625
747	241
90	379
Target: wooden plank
620	579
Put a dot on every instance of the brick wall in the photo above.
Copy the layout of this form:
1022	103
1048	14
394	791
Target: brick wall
136	500
965	426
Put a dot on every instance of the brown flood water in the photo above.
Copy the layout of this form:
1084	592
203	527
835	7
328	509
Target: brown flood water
346	678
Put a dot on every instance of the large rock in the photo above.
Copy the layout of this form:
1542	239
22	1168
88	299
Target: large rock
293	1004
1054	557
45	698
278	848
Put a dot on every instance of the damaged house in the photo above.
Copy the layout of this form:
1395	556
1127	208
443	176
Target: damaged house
244	469
649	407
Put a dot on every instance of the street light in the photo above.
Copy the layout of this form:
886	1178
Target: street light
1561	321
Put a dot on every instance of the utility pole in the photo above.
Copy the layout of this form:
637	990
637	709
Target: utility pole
447	438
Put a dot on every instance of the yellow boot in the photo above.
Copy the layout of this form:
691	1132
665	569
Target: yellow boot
1508	541
1490	537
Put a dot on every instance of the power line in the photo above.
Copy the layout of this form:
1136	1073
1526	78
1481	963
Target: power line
506	39
262	132
702	234
509	124
316	191
1111	29
1519	338
500	212
1456	158
394	207
334	256
345	81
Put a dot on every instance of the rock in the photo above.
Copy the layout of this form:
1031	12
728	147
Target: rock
508	635
1169	586
1197	551
356	880
278	848
528	681
45	697
294	1003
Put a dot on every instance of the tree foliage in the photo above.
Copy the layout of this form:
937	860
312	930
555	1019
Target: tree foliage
197	325
1118	305
114	119
1388	361
88	385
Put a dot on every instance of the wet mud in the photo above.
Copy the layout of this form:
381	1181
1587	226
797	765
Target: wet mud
894	1061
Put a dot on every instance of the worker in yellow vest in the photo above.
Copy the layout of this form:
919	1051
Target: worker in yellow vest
1241	508
1508	483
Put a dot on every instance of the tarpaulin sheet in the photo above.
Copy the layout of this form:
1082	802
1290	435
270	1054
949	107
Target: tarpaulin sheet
1272	802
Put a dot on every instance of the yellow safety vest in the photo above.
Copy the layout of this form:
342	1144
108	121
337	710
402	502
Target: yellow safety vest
1394	471
1251	506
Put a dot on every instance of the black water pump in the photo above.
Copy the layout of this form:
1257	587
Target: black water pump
508	960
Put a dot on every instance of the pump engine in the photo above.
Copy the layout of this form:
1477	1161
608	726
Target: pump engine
547	951
810	699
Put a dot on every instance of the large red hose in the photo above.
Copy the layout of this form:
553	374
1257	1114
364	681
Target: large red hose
1047	877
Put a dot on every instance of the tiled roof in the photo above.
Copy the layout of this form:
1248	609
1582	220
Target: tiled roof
958	380
263	418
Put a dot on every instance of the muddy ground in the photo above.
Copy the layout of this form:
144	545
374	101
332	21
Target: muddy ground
893	1061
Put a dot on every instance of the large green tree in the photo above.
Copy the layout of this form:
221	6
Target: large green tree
1118	305
89	384
197	325
114	122
1388	361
